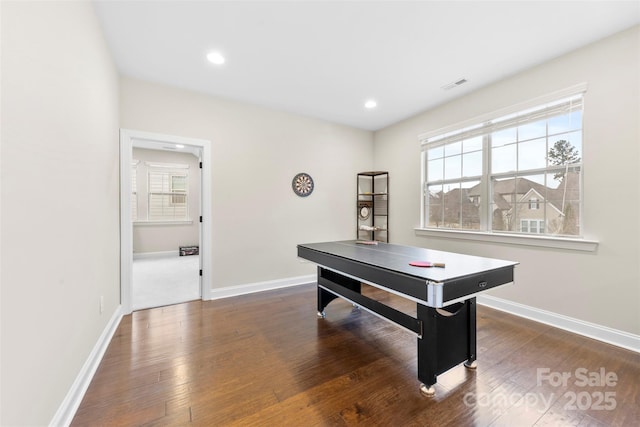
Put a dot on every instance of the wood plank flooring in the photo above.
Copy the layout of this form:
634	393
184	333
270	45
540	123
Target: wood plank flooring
266	360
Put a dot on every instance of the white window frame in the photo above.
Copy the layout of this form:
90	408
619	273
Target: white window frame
566	242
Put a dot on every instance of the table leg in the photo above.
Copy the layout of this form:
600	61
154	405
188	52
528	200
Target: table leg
427	349
472	341
325	297
448	338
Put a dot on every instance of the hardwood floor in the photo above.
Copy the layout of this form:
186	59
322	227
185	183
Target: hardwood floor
266	360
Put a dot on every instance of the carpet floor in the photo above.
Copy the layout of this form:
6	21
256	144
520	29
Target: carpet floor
165	280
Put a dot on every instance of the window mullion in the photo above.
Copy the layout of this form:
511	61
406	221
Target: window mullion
485	203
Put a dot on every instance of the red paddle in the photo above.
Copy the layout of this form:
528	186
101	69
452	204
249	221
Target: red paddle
426	264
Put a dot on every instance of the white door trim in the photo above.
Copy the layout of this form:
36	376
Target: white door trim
127	138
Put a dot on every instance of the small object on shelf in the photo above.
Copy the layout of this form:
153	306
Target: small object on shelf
368	228
364	210
426	264
366	242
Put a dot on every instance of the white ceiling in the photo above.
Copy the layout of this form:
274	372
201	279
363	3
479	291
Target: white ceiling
324	59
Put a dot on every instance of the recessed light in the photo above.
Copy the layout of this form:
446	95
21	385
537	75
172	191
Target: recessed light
179	146
215	58
370	104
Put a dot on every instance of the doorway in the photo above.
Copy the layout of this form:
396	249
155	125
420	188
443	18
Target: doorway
149	260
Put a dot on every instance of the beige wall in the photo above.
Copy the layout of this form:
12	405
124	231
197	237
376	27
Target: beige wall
59	201
601	287
257	219
163	238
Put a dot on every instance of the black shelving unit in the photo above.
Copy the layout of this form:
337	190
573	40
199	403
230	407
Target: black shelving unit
373	206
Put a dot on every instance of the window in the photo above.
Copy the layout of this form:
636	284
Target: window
178	189
535	226
515	173
168	192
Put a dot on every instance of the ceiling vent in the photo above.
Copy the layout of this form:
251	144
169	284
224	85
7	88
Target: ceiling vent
457	83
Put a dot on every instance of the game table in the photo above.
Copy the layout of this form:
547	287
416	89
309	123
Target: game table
445	324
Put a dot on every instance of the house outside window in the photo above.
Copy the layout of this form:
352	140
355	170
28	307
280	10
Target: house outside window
516	173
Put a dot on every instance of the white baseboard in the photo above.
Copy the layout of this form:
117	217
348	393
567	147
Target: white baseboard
232	291
587	329
141	255
67	410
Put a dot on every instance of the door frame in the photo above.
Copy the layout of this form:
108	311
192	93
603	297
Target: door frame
127	141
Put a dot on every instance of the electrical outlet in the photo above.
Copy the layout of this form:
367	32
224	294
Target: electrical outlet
101	304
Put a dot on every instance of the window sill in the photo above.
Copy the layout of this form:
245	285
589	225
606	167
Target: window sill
576	244
153	223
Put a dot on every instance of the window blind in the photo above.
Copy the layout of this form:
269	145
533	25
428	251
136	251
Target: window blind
552	109
168	192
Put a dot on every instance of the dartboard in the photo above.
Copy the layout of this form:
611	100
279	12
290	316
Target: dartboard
302	184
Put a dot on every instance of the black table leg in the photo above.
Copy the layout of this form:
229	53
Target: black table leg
324	296
427	349
471	351
448	339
